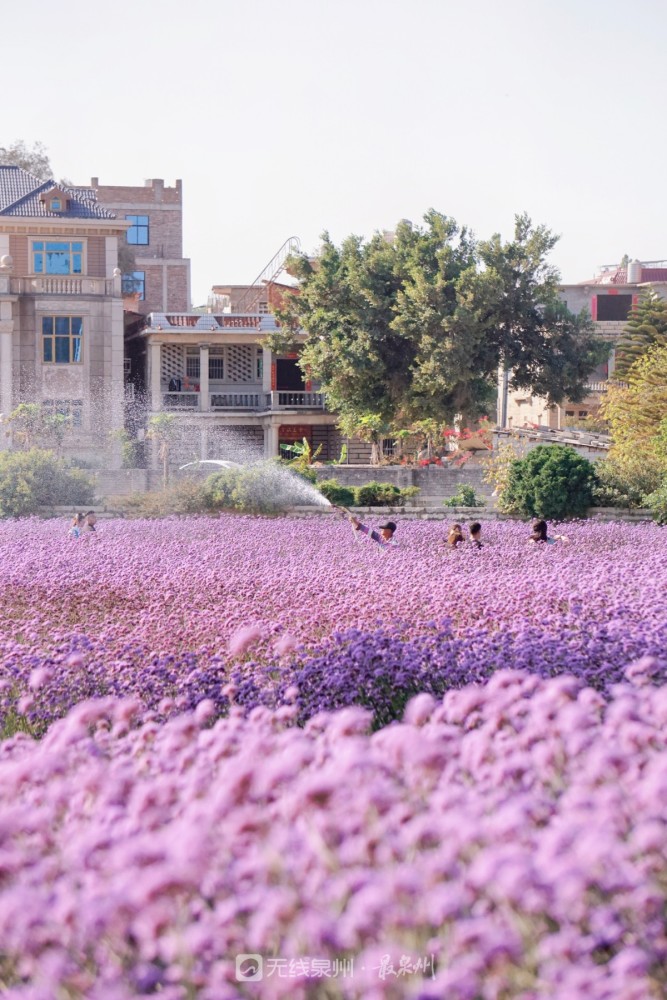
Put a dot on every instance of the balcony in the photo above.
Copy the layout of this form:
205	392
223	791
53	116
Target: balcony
258	402
64	285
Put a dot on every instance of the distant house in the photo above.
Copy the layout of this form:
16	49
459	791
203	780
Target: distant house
61	307
159	281
609	297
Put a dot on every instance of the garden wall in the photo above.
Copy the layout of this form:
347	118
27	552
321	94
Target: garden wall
435	482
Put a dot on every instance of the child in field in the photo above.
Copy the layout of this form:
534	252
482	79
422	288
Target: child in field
90	521
76	526
540	535
455	536
475	530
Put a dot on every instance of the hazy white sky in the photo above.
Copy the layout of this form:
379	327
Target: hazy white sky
288	118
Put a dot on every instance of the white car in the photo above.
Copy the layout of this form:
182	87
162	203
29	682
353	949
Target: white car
214	463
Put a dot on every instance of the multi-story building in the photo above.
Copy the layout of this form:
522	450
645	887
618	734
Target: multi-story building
609	297
159	279
61	308
232	397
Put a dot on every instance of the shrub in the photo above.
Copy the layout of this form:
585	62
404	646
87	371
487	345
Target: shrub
616	487
336	493
36	478
376	494
552	481
183	497
657	503
465	496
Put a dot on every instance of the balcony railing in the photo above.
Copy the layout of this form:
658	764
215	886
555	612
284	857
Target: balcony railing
237	400
258	401
63	285
281	400
597	386
180	401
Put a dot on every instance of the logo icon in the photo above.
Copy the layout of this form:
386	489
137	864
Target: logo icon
249	968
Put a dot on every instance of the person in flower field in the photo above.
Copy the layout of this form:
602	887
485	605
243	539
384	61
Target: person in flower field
475	530
455	536
541	536
384	536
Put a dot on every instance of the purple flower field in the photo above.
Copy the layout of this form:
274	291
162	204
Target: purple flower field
202	760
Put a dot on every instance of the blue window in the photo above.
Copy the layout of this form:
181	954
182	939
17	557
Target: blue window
56	205
61	339
137	234
134	284
53	257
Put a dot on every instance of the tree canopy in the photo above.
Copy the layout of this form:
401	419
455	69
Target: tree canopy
35	160
647	325
416	324
637	415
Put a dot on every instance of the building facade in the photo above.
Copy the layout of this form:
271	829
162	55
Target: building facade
609	297
231	396
159	280
61	310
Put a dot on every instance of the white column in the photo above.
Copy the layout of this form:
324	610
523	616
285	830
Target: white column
203	447
204	396
267	358
156	376
271	441
7	404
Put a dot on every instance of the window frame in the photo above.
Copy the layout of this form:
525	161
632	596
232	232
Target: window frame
70	408
138	284
52	337
39	249
139	227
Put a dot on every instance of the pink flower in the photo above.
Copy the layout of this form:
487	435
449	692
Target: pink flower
243	639
285	644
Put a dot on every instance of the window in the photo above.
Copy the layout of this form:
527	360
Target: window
56	205
583	413
263	308
137	234
61	339
260	365
613	307
135	284
72	409
49	257
216	364
192	367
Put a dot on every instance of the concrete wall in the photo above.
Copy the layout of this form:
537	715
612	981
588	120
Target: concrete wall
435	483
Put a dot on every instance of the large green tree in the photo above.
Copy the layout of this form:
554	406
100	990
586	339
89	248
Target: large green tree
647	326
416	326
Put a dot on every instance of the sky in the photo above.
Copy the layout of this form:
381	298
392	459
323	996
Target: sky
294	117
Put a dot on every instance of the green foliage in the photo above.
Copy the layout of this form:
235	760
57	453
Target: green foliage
33	479
30	426
465	496
647	326
414	328
183	497
619	486
656	502
637	415
303	459
336	493
552	482
376	494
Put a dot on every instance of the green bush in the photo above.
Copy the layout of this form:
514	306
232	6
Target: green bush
465	496
657	503
36	478
552	481
262	488
336	493
376	494
618	487
183	497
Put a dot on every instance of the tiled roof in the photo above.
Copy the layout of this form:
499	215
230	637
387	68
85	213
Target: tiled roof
21	194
